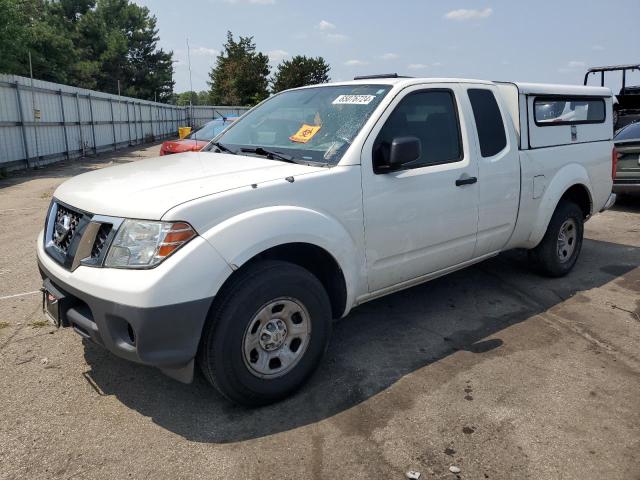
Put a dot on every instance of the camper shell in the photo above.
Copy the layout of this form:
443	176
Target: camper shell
547	115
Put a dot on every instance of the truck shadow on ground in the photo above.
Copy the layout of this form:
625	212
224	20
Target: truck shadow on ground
379	343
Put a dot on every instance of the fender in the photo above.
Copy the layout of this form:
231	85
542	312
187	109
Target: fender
565	178
240	238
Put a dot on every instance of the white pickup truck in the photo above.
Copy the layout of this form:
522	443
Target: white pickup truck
315	201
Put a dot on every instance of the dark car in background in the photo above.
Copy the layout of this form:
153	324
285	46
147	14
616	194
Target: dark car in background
627	142
198	138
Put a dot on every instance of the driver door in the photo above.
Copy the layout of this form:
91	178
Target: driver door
423	216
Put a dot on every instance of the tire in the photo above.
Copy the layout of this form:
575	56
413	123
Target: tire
560	247
267	334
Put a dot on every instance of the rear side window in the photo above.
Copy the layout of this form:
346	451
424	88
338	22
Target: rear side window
489	123
431	116
551	111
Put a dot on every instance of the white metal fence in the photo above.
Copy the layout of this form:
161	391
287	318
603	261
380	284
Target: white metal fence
50	122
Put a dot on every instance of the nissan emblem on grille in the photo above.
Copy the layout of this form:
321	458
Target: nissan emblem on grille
62	228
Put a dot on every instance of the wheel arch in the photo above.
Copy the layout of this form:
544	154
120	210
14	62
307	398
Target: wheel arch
570	183
308	238
313	258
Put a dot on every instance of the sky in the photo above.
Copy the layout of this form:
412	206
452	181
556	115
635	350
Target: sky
534	41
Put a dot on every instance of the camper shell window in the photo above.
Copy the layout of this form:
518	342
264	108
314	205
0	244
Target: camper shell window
561	110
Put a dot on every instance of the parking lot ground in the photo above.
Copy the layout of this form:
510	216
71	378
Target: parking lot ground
492	369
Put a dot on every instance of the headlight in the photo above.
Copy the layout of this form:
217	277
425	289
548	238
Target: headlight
144	244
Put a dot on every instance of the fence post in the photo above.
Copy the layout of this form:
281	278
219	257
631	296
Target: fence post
128	123
113	125
153	135
93	126
80	124
25	143
164	122
141	123
64	123
135	120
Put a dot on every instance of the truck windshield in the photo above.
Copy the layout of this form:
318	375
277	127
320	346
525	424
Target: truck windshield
311	125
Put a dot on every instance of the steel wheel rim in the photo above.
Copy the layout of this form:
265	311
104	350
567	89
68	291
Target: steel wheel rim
567	240
276	338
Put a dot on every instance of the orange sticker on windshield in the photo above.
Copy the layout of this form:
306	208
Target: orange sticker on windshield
305	133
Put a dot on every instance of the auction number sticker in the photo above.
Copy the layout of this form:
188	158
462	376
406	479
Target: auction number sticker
353	100
305	133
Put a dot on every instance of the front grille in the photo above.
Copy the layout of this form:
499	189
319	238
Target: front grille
101	239
73	237
65	227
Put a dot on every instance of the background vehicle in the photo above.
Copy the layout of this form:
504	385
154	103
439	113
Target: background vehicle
314	202
198	138
627	143
626	108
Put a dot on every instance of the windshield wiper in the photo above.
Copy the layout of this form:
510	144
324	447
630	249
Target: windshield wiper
222	148
270	154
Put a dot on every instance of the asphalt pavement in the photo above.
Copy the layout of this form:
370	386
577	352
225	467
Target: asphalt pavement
493	369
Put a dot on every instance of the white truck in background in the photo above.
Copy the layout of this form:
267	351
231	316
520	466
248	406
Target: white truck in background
321	198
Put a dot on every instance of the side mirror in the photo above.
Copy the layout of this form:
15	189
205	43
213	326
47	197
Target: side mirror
404	150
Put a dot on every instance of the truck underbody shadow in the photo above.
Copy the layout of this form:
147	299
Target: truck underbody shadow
378	344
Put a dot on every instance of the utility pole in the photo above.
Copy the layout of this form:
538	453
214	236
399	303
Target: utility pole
190	86
120	110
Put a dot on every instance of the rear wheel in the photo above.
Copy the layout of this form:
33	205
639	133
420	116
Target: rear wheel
267	333
560	247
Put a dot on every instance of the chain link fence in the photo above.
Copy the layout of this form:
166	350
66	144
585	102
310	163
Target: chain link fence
48	122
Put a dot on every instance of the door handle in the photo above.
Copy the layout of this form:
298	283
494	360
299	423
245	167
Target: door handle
464	180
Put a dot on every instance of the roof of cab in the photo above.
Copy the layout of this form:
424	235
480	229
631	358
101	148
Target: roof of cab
523	87
406	81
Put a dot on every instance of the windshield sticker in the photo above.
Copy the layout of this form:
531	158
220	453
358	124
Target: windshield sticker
353	100
305	133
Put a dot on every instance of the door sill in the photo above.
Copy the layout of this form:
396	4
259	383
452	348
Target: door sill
422	279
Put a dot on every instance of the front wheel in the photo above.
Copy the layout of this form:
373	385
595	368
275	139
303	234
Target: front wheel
560	247
267	333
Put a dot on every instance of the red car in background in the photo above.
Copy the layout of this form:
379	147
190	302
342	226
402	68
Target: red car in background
198	138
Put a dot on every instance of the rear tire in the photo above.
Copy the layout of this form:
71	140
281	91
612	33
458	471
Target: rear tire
560	247
267	334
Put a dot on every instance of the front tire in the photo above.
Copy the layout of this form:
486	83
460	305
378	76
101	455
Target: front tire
266	334
560	247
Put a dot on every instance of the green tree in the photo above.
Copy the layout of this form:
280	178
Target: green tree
119	40
28	26
196	98
240	76
300	71
14	34
86	43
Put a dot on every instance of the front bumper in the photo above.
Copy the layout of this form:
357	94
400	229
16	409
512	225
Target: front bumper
154	317
166	337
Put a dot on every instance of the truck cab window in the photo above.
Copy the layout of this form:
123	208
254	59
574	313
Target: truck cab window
489	123
432	117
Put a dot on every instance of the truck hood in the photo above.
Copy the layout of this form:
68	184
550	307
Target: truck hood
149	188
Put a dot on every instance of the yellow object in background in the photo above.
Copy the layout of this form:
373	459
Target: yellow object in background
183	132
305	133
